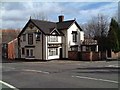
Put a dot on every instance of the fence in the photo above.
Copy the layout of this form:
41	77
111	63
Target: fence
87	56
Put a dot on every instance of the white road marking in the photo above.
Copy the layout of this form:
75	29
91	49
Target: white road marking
90	78
35	71
112	66
8	85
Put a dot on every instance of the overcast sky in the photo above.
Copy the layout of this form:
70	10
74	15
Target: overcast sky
16	14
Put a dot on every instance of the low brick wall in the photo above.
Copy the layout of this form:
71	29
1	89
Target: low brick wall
116	55
91	56
95	56
84	56
103	55
73	55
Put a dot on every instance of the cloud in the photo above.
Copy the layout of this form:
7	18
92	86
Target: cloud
109	10
13	6
16	14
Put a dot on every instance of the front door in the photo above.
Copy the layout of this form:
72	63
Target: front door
61	53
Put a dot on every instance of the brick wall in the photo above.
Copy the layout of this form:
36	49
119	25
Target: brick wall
85	56
73	55
115	55
95	56
118	55
91	56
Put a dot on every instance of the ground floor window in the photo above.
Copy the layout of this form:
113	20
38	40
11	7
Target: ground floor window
53	51
29	52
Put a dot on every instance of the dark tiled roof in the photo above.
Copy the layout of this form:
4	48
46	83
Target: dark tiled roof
45	26
64	24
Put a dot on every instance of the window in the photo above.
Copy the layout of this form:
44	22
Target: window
24	37
53	51
31	52
74	33
74	48
23	51
27	52
30	39
53	39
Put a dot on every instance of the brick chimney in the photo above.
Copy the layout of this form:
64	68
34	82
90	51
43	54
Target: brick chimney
61	18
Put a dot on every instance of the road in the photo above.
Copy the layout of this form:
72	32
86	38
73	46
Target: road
61	74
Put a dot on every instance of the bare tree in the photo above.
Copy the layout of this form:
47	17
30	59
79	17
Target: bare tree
97	26
40	16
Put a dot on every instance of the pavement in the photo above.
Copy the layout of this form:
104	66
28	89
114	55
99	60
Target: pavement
61	74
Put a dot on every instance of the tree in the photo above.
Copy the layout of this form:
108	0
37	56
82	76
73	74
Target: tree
97	26
114	36
40	16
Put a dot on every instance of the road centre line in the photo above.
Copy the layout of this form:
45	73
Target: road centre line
90	78
39	71
8	85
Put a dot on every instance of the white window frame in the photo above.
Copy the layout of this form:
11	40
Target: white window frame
53	51
53	39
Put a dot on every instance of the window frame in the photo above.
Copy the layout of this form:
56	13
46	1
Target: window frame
53	39
30	38
31	52
53	51
27	52
74	36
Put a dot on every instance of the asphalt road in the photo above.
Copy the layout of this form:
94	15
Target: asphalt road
61	74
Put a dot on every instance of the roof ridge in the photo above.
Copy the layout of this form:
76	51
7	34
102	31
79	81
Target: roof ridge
42	20
65	21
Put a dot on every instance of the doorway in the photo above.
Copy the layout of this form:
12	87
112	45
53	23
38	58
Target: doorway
61	53
109	53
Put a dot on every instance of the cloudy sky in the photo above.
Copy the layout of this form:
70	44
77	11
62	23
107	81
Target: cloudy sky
16	14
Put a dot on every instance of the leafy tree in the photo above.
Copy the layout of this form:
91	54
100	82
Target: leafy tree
113	36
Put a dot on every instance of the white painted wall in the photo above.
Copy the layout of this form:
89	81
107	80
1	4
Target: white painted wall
65	44
47	49
80	36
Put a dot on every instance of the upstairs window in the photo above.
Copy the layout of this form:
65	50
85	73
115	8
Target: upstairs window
24	37
30	38
74	35
53	39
